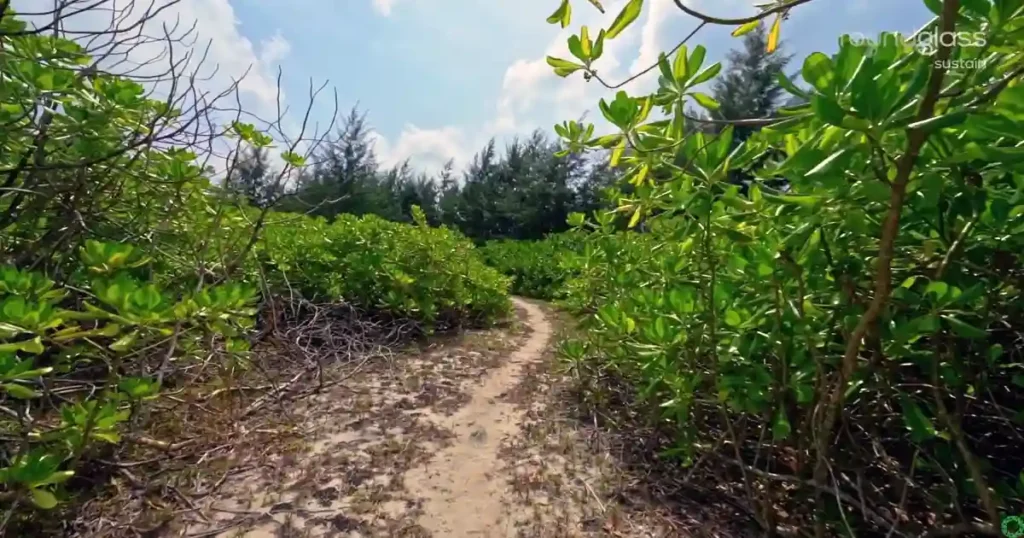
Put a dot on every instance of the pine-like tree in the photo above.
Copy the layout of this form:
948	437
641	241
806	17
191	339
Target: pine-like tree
749	88
345	174
253	178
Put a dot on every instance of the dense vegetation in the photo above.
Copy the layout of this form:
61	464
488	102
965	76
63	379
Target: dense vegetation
538	268
431	274
820	304
127	271
847	351
523	192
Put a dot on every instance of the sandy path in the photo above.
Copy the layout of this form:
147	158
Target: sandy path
462	487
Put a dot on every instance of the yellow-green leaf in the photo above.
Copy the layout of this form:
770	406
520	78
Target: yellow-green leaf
43	499
635	219
625	18
563	68
20	391
680	68
746	28
773	35
617	153
640	176
732	318
780	426
706	100
562	15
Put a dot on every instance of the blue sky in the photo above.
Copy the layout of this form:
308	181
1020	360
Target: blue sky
440	77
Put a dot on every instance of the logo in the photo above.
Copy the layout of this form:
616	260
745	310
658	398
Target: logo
928	43
1013	527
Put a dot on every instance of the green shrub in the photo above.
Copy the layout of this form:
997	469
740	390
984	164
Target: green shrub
434	275
853	344
537	268
122	265
97	330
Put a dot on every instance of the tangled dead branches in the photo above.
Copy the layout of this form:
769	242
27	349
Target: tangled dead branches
212	417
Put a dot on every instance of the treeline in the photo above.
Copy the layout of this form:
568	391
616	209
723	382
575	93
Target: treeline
520	191
524	190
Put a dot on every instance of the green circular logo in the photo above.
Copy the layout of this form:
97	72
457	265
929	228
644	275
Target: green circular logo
1013	526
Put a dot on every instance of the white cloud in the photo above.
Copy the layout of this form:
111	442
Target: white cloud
274	49
531	90
383	6
651	35
426	149
531	97
217	33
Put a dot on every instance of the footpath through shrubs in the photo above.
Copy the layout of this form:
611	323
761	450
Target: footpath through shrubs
132	280
847	351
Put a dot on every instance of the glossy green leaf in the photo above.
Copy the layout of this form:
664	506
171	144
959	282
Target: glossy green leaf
746	28
818	72
43	499
20	391
626	17
562	16
920	426
706	100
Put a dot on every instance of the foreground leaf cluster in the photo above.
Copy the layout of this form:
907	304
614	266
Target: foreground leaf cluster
846	348
127	273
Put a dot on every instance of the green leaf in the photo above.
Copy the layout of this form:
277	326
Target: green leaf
746	28
666	69
795	199
20	392
696	59
788	85
732	318
576	48
943	120
680	68
45	81
828	110
55	478
635	219
43	499
705	75
818	72
979	8
937	288
625	18
920	426
107	437
706	100
598	46
827	164
995	352
964	329
773	35
562	15
294	159
617	153
563	68
780	426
